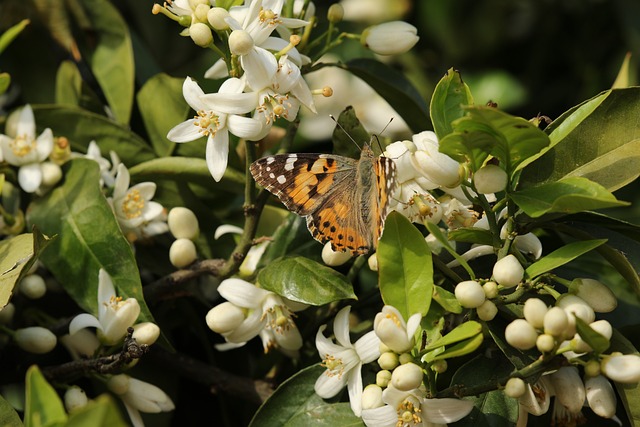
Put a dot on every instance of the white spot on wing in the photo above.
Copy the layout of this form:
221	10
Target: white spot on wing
289	164
272	175
281	179
270	160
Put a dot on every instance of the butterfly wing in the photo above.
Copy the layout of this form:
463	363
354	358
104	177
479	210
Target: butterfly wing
385	171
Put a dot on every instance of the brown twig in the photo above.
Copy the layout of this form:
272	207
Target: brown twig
173	285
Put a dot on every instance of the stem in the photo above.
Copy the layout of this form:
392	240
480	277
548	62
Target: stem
355	268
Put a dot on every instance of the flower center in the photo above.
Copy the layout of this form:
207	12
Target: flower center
269	17
21	146
408	414
279	319
334	366
114	302
133	204
208	122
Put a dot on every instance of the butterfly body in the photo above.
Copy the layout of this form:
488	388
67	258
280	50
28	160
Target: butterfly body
345	201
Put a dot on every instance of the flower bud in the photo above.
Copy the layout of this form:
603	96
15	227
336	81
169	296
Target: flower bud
600	396
183	223
388	360
335	13
508	271
534	311
35	339
487	311
622	368
372	397
224	317
520	334
373	262
334	258
490	289
545	343
577	306
82	343
6	313
592	368
146	333
240	42
555	322
200	13
569	388
600	326
51	174
383	377
529	244
405	358
119	384
436	166
33	286
407	377
594	293
201	34
74	398
392	330
515	388
216	17
390	38
470	294
490	179
439	366
182	253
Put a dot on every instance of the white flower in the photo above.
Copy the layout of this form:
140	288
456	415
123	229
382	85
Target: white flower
83	343
107	171
137	215
390	38
622	368
344	360
390	327
265	311
217	115
411	408
26	151
139	396
114	314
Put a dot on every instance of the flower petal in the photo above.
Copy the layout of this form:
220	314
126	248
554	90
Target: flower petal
44	144
341	327
384	416
368	347
106	291
354	386
241	293
217	71
230	103
217	153
192	92
30	177
445	410
260	68
26	125
248	329
84	320
226	229
244	127
324	345
328	386
121	184
185	132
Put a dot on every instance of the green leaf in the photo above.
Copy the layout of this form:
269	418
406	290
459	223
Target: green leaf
162	106
303	280
623	79
17	255
43	405
449	97
296	404
89	238
597	139
8	416
561	256
471	235
68	84
595	340
487	131
569	195
494	408
99	412
447	300
394	87
5	81
81	127
187	169
112	58
461	348
404	266
8	36
350	129
462	332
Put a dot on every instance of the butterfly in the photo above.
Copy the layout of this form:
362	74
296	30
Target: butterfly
345	201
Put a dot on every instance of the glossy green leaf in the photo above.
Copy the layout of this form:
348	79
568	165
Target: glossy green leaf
459	349
595	340
5	81
569	195
350	129
10	34
461	332
303	280
112	58
89	238
624	78
43	405
597	139
449	97
68	84
561	256
487	131
99	412
471	235
447	300
492	409
8	416
296	404
405	268
394	87
162	106
81	127
17	255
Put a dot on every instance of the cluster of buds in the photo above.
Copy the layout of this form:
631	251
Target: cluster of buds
183	225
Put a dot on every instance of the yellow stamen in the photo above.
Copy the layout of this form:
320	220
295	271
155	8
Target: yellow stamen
133	204
21	146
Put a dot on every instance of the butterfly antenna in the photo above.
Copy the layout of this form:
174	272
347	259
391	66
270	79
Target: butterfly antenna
345	131
381	132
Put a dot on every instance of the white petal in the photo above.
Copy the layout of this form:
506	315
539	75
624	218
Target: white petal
260	68
184	132
385	416
217	152
44	144
26	125
226	229
445	410
328	386
412	324
368	347
192	93
84	320
152	211
248	329
232	85
325	346
134	415
244	127
354	386
230	103
106	291
241	293
30	177
341	327
122	182
217	71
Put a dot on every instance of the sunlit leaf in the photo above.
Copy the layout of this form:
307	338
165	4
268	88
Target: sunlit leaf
10	34
461	348
99	412
623	78
561	256
8	416
449	96
43	406
5	81
461	332
446	299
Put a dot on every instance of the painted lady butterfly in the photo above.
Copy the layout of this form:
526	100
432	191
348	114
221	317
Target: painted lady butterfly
345	201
